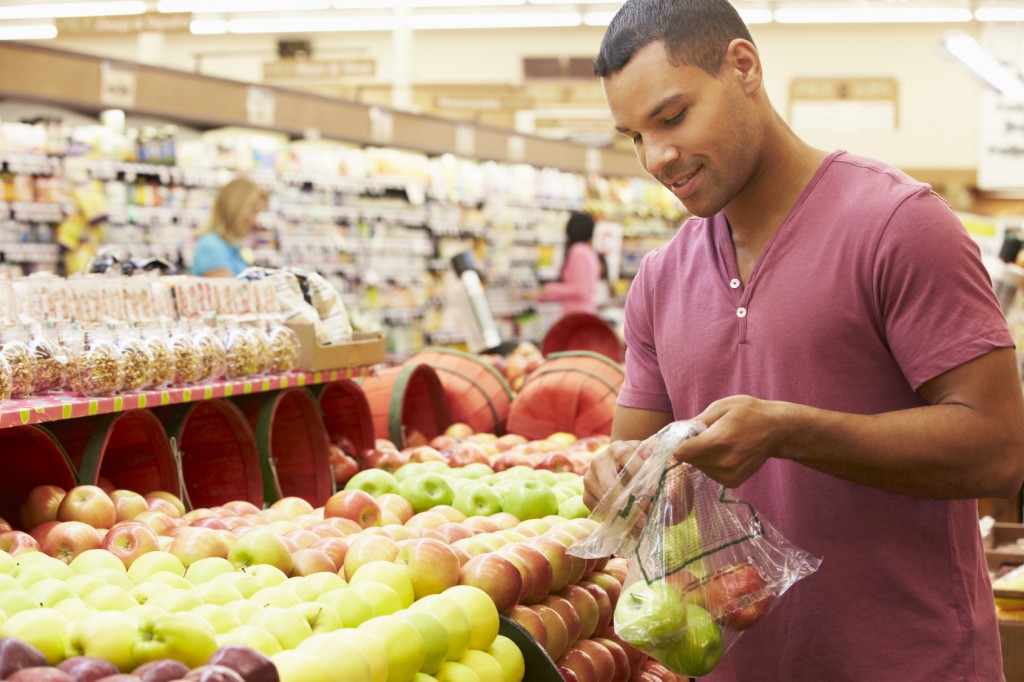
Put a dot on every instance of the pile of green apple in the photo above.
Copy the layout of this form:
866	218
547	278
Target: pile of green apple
371	628
477	490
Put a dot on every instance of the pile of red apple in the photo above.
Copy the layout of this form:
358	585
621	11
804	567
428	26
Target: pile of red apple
518	364
22	662
459	446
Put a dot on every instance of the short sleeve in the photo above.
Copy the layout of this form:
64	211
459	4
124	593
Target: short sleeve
644	387
935	298
210	253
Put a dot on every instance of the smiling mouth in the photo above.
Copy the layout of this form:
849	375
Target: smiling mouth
683	180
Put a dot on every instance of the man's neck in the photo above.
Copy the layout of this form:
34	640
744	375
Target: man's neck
786	169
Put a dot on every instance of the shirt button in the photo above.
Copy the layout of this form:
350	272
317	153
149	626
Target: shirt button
741	312
734	283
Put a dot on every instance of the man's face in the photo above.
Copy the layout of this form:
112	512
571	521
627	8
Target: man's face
693	132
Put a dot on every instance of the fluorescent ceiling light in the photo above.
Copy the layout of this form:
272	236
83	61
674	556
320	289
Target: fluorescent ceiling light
756	16
364	4
972	55
55	10
312	24
597	18
999	14
872	15
231	6
28	32
392	4
495	20
750	16
461	3
207	27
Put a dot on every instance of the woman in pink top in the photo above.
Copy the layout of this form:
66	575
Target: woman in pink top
577	287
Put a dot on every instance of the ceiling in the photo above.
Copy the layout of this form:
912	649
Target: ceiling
291	16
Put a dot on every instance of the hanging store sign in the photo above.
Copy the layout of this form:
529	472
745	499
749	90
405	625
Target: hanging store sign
844	104
465	140
260	106
382	125
117	85
173	22
482	102
315	69
515	148
1001	157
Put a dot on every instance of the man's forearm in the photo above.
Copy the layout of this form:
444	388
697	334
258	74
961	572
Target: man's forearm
937	451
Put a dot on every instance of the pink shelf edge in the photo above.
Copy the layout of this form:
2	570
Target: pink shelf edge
53	407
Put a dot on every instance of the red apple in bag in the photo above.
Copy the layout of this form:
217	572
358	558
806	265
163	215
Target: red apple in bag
737	595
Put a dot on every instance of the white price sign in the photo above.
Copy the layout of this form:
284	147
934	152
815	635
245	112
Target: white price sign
382	126
465	140
117	85
1001	157
259	106
515	146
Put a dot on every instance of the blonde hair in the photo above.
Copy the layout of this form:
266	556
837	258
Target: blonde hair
231	209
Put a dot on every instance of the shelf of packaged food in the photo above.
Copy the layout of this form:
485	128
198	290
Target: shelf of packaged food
30	253
35	211
73	79
58	406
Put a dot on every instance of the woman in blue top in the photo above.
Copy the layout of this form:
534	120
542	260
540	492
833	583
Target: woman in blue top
219	252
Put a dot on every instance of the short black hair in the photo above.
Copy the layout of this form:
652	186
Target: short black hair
580	228
696	32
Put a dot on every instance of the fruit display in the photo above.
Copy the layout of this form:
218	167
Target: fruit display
459	447
1009	594
403	574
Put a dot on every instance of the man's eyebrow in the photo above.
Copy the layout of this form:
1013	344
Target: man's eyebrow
658	108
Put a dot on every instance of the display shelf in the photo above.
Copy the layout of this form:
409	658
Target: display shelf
73	79
58	406
378	217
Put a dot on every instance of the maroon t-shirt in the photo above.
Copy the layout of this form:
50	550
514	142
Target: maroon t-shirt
870	287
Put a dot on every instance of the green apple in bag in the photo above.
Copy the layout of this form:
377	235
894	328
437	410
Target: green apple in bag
699	650
650	616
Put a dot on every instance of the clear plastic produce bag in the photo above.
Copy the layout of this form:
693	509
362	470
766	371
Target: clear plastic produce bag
704	567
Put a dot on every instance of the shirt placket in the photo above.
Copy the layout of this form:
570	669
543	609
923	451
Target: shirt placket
739	296
740	299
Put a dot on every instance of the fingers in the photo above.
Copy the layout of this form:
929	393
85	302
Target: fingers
603	474
600	477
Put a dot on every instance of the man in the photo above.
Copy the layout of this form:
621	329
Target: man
831	322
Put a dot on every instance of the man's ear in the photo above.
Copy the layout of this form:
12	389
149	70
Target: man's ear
743	60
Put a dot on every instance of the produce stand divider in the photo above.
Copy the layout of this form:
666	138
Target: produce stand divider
539	665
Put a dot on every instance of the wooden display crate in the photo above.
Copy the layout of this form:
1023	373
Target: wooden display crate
1011	635
1003	546
366	348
